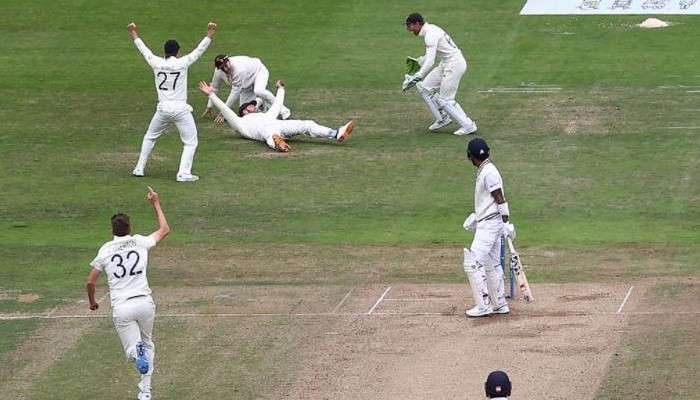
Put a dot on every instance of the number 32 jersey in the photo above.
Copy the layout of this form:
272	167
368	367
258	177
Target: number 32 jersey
125	261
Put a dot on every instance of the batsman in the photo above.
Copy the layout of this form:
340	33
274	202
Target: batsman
490	220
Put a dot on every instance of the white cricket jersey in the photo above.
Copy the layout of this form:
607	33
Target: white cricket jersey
125	261
253	125
171	74
244	71
488	179
438	44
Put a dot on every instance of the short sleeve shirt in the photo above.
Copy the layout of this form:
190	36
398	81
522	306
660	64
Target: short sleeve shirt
125	262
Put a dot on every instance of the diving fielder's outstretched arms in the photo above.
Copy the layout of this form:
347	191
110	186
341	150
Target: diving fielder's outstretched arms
233	120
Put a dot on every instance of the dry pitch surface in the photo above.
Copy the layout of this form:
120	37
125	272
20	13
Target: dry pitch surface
402	341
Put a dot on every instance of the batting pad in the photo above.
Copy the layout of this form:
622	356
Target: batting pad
610	7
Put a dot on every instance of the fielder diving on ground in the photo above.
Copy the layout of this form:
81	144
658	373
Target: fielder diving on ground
265	127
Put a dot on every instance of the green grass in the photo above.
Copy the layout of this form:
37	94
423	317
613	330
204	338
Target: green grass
591	169
193	358
13	333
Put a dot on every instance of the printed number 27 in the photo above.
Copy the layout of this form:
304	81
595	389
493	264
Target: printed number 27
120	264
165	78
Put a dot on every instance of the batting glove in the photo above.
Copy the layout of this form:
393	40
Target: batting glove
470	223
509	230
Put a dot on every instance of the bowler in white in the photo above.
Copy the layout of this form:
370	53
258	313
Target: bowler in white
170	74
124	260
437	84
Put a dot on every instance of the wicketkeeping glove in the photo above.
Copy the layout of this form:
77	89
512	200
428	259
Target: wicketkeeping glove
412	65
410	81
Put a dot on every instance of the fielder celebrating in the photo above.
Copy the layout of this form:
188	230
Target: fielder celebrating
125	261
247	78
490	220
171	85
265	127
444	78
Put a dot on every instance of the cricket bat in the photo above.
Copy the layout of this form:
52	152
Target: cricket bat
519	273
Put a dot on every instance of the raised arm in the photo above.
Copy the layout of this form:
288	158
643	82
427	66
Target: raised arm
151	58
163	227
203	45
276	106
233	120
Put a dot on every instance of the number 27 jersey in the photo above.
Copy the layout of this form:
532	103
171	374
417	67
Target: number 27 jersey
125	260
171	73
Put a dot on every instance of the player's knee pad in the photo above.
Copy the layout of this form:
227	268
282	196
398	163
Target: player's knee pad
469	262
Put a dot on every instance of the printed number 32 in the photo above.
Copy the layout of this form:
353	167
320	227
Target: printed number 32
120	264
165	78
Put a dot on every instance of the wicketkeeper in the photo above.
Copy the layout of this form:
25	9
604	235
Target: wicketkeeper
490	220
438	86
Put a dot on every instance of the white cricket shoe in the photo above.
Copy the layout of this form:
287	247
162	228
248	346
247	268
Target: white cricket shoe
446	120
502	309
143	396
344	132
462	131
137	172
479	311
187	178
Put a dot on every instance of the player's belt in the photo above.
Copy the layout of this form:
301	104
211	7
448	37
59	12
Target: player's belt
136	297
488	217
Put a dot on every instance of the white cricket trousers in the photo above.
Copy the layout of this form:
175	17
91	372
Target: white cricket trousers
183	120
446	77
485	263
133	321
259	89
445	80
290	128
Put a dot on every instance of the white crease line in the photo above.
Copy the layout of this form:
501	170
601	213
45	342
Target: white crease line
517	91
523	88
335	310
629	292
682	127
326	314
692	91
422	299
371	310
77	303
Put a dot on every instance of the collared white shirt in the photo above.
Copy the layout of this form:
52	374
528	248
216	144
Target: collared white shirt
488	179
125	262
